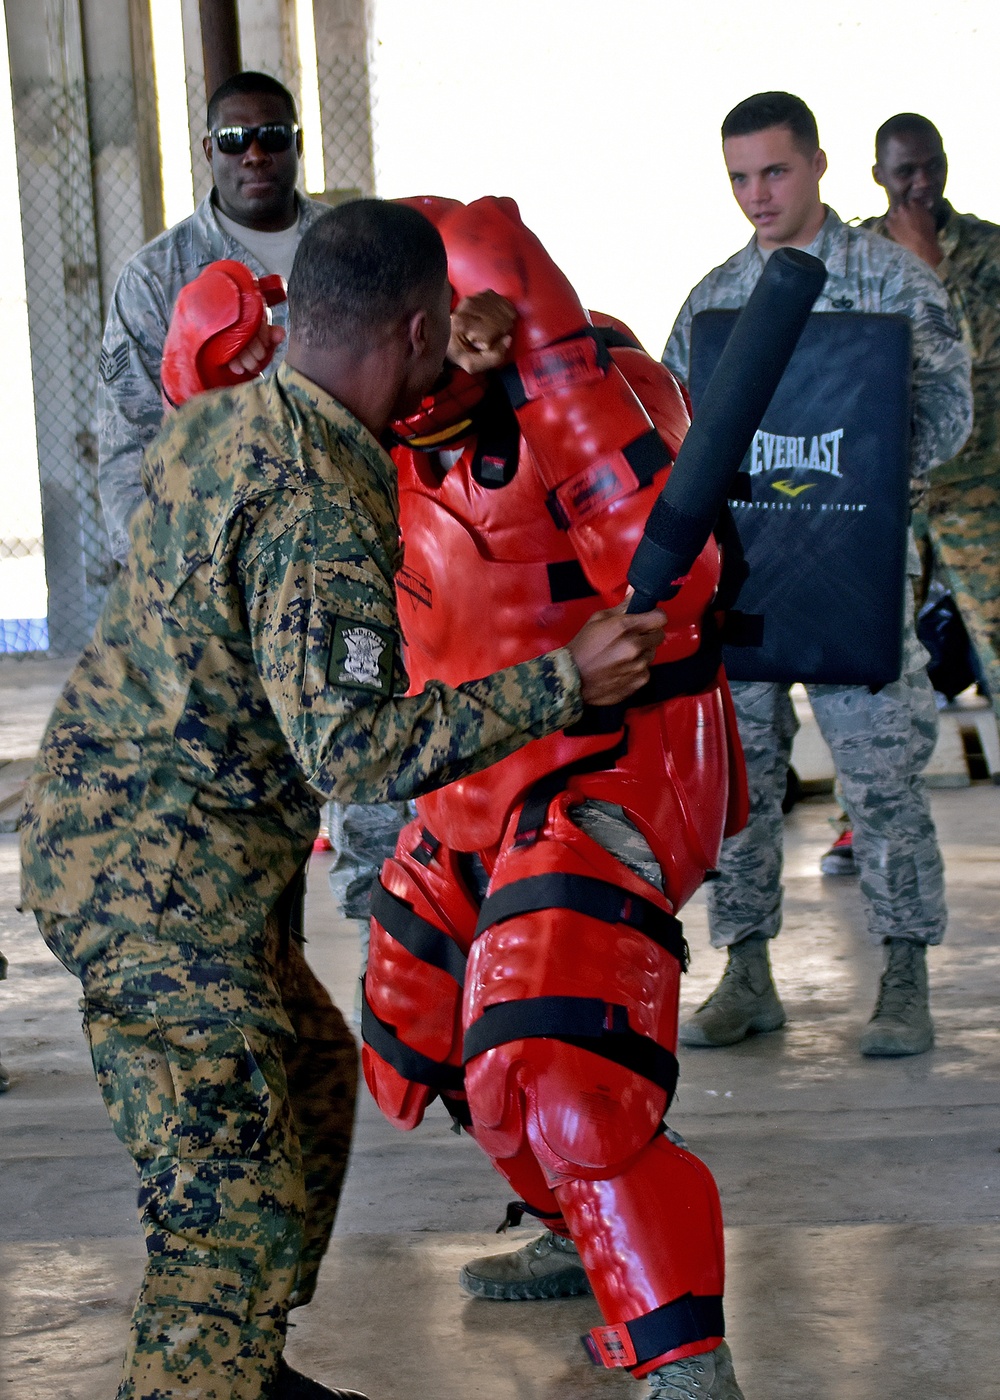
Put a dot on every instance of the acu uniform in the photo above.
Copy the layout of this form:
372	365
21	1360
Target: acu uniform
129	406
961	508
246	667
882	742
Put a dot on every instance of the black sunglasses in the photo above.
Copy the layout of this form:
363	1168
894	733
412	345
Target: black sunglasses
273	138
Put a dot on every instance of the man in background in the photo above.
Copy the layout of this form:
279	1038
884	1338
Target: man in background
880	742
960	512
956	517
253	214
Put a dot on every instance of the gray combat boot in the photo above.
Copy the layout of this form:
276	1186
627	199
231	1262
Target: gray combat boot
901	1022
546	1267
709	1376
744	1002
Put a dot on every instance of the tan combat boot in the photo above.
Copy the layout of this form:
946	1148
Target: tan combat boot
744	1003
709	1376
546	1267
901	1022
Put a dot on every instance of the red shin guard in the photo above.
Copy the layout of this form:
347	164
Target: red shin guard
651	1243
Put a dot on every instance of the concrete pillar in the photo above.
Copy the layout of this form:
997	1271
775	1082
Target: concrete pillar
48	81
267	34
124	140
194	71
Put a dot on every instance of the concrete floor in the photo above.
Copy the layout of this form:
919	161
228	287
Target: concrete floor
862	1198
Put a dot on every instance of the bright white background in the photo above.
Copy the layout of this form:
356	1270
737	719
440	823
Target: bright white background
602	119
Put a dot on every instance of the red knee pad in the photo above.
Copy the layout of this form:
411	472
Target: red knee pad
214	318
651	1242
571	1005
423	919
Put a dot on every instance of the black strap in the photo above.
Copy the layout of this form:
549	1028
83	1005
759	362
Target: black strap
498	438
568	582
426	848
615	339
741	487
517	1210
510	376
538	797
586	1022
459	1111
742	629
418	936
735	570
690	676
677	1324
584	894
410	1063
647	455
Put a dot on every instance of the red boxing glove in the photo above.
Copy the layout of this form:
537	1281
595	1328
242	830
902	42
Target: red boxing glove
215	317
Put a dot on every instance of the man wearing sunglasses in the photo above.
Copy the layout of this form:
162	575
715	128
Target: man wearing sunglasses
253	214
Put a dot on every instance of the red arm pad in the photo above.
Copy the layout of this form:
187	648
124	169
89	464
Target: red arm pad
215	317
593	441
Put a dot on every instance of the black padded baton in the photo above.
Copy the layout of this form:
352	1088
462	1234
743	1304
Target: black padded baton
735	400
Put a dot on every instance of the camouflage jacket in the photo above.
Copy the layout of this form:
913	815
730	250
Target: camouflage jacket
129	407
864	273
970	271
245	668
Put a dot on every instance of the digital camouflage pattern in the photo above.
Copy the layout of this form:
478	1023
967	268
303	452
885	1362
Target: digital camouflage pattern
245	668
961	508
963	525
129	407
880	743
179	781
363	839
864	273
241	1139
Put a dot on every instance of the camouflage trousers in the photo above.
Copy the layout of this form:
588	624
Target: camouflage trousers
880	745
962	521
363	839
240	1132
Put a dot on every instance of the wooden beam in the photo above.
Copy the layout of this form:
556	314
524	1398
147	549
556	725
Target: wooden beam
147	125
220	42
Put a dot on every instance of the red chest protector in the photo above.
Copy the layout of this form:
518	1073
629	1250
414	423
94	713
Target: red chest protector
510	548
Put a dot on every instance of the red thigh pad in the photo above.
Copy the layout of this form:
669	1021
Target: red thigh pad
423	918
576	1002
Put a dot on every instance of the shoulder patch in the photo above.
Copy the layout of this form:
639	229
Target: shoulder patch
361	656
114	362
940	320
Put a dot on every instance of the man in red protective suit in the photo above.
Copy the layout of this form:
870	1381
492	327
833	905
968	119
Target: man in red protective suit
525	955
544	1014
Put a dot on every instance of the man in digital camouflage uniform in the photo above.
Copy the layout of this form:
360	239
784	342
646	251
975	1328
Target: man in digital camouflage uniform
882	742
255	215
960	514
956	507
245	668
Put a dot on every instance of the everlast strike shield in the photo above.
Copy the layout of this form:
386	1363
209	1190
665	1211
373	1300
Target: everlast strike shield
824	519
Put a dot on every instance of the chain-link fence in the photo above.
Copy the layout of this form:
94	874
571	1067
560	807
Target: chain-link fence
348	126
81	217
59	225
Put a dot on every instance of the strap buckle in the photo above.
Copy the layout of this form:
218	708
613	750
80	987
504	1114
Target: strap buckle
610	1346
